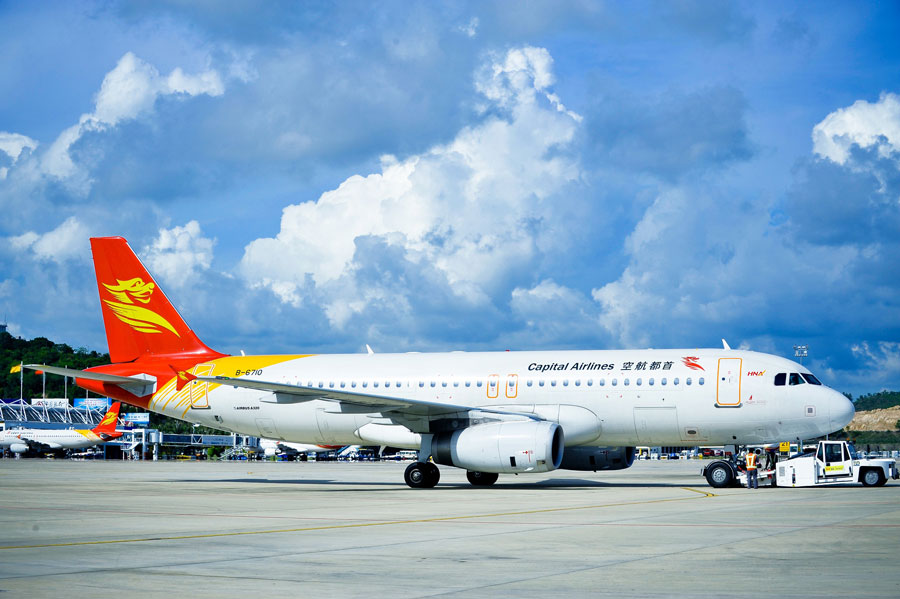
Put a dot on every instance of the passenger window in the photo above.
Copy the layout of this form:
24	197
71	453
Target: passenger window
529	382
540	383
421	383
601	382
468	383
812	380
343	384
365	384
779	379
444	384
433	384
663	381
590	382
566	383
353	384
577	382
626	382
651	381
456	383
375	384
553	383
387	384
702	380
639	382
687	381
795	379
675	382
478	384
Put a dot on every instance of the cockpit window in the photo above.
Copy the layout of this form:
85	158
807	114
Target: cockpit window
795	379
780	378
812	380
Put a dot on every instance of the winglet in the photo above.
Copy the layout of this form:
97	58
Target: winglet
725	345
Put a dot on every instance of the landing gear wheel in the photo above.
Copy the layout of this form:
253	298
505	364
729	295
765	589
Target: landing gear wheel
719	476
422	475
482	479
434	475
873	477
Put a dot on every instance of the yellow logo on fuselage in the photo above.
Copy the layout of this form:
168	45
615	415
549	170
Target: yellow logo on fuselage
137	317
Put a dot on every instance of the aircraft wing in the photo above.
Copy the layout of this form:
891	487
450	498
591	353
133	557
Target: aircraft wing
38	445
288	393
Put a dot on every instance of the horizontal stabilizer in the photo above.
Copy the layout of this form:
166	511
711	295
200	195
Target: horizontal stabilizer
115	379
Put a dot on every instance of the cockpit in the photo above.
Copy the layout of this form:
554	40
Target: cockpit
795	378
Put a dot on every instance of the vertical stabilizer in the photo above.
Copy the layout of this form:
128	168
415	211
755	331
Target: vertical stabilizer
140	320
108	424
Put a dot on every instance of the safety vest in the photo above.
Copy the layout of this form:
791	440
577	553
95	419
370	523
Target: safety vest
751	461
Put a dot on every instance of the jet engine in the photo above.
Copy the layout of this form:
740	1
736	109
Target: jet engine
18	447
502	447
597	458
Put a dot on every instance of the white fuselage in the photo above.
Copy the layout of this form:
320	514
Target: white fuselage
51	439
615	398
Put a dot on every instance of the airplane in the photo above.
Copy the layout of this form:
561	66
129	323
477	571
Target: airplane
490	413
273	447
20	440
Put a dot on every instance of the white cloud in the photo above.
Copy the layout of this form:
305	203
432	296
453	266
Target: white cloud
66	242
12	144
462	208
128	91
178	254
864	124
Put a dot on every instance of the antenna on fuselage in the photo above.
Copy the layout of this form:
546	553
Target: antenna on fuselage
369	350
725	345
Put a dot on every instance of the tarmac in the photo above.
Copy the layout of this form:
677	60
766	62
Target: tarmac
326	529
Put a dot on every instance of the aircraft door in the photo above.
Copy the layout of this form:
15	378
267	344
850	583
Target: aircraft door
199	390
728	383
512	386
657	426
267	428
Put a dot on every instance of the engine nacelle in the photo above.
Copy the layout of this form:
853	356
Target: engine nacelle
597	458
18	447
502	447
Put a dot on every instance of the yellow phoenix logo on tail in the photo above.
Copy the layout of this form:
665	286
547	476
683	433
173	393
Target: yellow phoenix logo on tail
109	419
137	317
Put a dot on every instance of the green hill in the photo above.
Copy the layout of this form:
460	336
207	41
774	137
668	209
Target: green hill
41	350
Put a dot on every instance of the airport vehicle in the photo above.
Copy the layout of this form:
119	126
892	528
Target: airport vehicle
488	412
21	440
834	463
828	463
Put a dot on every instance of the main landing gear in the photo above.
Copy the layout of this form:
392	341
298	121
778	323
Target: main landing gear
482	479
422	475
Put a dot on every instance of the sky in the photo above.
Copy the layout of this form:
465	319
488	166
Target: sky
435	176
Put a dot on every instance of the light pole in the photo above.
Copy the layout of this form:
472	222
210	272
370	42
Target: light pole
801	351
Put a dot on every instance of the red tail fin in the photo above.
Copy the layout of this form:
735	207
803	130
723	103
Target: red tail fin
140	320
108	424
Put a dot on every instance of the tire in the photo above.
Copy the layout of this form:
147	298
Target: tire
418	475
873	477
719	475
433	474
482	479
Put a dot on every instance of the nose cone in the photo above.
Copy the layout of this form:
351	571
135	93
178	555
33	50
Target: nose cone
841	410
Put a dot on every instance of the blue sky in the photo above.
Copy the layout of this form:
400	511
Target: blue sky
435	176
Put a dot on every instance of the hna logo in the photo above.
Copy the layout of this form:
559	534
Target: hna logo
137	317
756	372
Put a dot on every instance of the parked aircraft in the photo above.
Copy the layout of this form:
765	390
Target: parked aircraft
20	440
273	447
487	412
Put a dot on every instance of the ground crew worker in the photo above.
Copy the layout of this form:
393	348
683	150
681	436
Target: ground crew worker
752	473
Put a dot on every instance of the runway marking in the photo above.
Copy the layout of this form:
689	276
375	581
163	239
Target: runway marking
703	494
